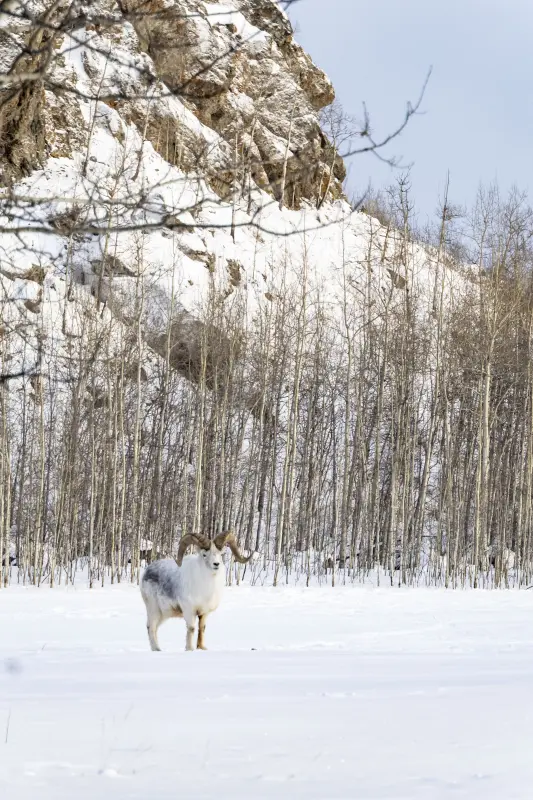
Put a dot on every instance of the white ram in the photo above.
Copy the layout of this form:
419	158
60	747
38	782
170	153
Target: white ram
189	587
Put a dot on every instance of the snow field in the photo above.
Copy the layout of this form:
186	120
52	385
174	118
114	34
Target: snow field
349	693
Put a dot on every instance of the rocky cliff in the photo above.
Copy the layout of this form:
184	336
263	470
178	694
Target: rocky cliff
235	66
193	125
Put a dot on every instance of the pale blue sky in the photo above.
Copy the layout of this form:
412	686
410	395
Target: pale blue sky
478	119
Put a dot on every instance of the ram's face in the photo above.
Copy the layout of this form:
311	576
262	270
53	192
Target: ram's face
212	558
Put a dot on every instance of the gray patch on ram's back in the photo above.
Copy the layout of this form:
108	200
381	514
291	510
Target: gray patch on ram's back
151	575
162	575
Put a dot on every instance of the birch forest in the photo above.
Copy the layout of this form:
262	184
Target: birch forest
392	435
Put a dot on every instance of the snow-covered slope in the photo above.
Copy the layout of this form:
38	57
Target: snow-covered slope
141	183
347	693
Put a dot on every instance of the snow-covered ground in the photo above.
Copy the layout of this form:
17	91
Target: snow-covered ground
318	693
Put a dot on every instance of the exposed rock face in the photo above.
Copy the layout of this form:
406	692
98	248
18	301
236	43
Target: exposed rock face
234	65
30	115
238	68
22	133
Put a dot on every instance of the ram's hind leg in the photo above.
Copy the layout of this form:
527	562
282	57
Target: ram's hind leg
154	618
201	630
152	625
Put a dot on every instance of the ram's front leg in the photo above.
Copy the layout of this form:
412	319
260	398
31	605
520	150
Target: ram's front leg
190	621
201	631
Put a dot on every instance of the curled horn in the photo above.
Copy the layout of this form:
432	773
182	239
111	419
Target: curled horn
197	539
228	538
